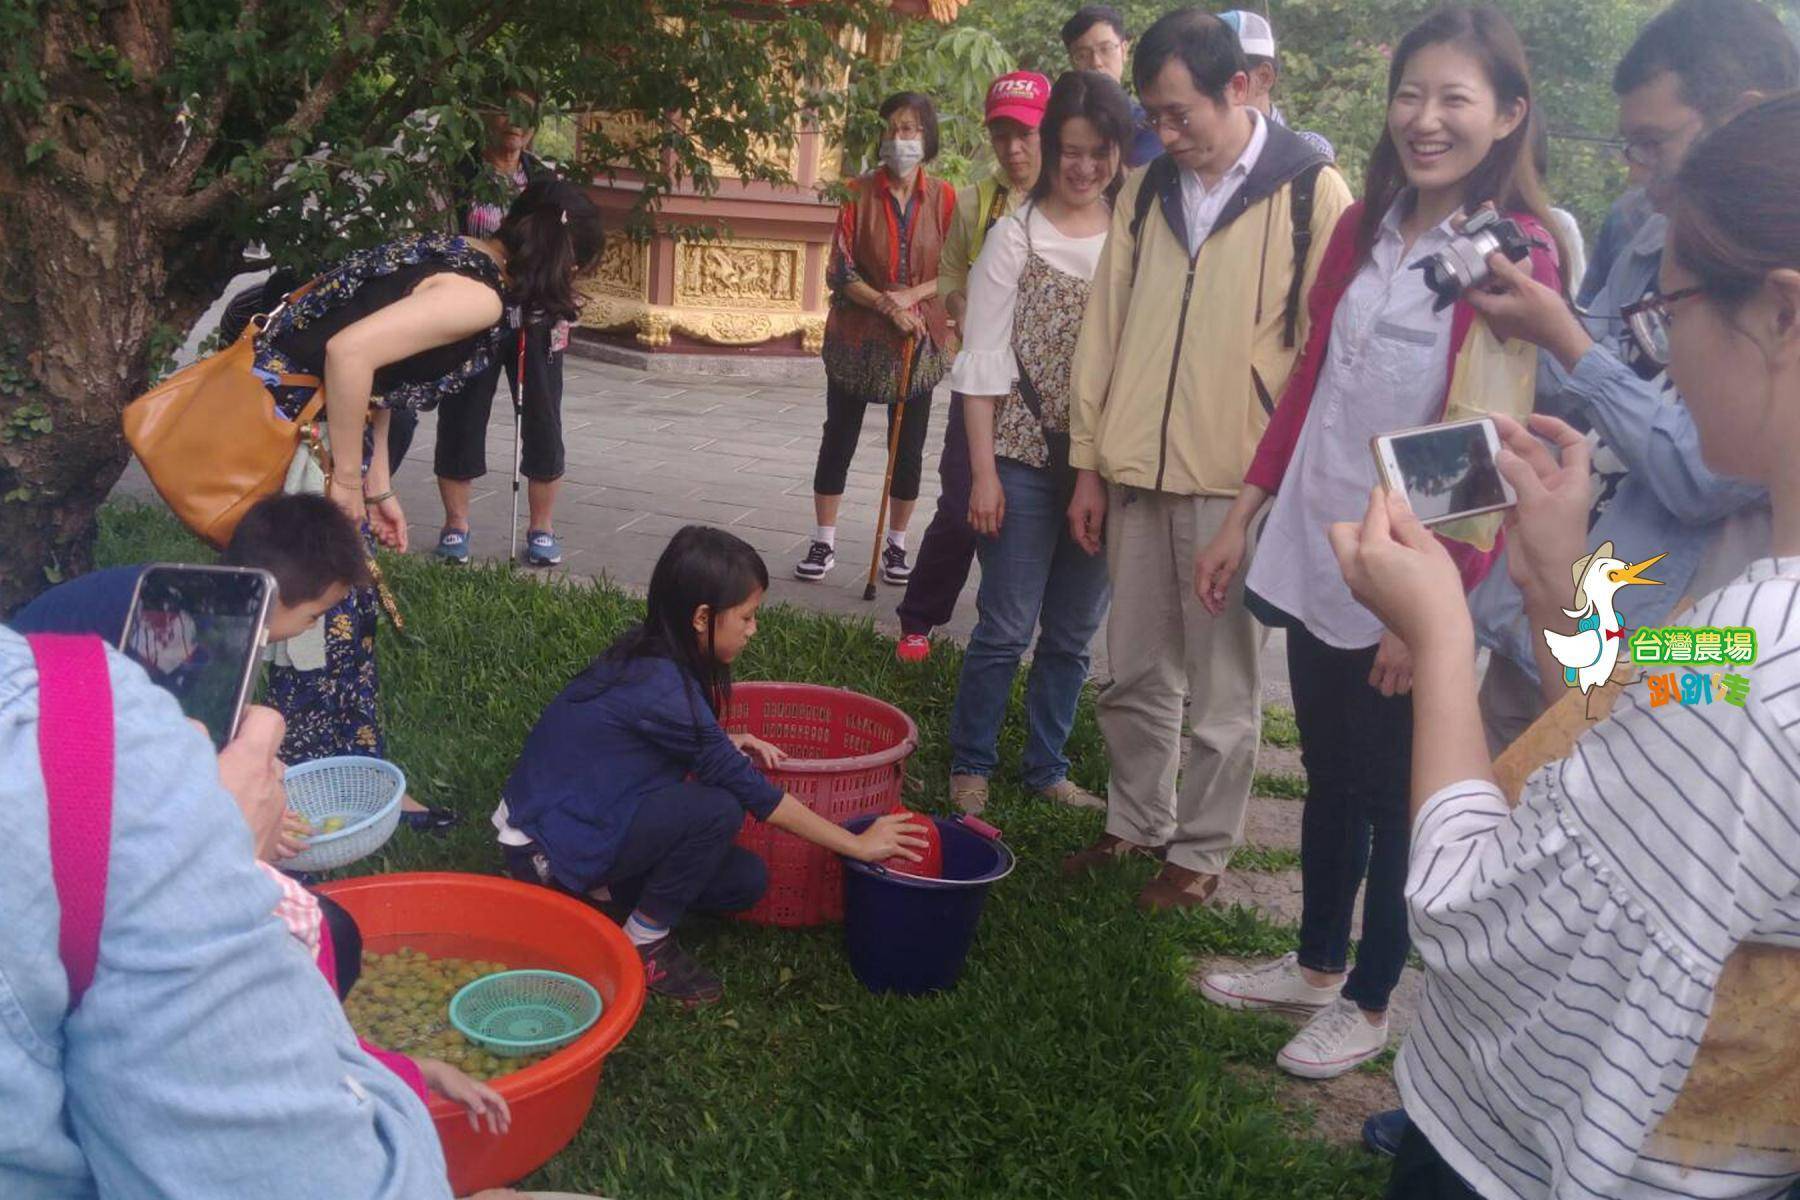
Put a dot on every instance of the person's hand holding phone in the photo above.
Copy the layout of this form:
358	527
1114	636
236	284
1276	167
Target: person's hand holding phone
251	772
1398	570
1547	529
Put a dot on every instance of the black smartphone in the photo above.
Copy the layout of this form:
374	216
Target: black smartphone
199	633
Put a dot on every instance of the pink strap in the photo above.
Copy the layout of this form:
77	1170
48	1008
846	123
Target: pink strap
75	751
399	1064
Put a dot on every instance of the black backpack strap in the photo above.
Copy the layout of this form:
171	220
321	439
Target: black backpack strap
1140	208
996	209
1301	210
1034	404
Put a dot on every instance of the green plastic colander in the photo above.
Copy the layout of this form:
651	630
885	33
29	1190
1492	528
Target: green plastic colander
514	1013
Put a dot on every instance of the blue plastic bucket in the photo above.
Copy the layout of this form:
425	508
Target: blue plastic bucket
911	935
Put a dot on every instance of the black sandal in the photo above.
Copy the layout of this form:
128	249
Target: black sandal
431	820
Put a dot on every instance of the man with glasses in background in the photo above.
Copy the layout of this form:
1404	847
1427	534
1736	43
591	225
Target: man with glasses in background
1687	72
1096	40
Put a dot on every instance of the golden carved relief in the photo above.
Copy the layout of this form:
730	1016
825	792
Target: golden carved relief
623	269
782	155
746	274
653	325
625	131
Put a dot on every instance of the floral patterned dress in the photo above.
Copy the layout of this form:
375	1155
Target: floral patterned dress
332	711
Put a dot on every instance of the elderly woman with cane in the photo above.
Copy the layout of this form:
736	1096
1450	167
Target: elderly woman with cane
886	335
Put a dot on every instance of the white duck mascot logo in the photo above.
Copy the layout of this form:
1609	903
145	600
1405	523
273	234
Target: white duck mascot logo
1590	654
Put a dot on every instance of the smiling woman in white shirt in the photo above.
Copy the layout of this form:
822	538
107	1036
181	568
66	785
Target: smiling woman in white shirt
1383	356
1575	945
1027	294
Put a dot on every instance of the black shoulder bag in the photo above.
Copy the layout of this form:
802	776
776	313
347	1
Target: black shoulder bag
1056	441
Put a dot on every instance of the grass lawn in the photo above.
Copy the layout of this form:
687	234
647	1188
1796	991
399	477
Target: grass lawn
1072	1061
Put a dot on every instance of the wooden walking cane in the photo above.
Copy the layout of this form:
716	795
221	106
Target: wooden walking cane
887	478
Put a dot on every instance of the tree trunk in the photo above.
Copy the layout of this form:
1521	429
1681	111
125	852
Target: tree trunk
85	334
85	290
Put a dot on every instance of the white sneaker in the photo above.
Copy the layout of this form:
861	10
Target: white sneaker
1277	985
1336	1040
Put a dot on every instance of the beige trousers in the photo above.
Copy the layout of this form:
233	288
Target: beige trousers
1165	652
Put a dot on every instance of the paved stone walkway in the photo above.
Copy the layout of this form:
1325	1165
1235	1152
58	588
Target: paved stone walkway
649	453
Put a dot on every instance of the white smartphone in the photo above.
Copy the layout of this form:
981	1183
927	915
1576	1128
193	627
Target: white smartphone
1445	471
199	633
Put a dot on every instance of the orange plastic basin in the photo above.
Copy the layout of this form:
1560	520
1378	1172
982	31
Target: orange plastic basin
479	916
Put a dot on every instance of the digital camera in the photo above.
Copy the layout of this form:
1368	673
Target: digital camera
1464	262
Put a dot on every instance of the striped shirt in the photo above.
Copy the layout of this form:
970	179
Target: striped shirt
1572	944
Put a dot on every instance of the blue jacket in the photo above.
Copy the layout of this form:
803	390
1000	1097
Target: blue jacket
1667	502
617	733
95	603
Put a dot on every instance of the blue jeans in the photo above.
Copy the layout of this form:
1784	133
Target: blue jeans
1033	577
1356	746
679	853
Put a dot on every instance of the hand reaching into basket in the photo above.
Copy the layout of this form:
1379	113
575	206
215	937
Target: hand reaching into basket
897	835
252	774
766	755
894	835
480	1099
290	837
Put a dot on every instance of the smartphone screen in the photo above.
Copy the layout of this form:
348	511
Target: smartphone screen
1449	471
198	632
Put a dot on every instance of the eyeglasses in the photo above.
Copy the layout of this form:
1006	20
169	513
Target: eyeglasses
1090	56
1649	152
1176	121
1649	321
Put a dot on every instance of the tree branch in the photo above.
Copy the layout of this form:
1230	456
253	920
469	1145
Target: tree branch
183	212
203	133
385	109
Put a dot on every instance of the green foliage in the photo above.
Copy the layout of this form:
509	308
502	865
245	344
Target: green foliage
693	89
1334	58
1074	1059
951	64
25	422
1279	727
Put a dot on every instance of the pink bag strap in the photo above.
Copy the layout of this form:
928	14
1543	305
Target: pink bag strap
75	751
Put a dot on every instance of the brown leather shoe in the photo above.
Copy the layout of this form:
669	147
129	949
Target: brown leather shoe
1177	887
1108	849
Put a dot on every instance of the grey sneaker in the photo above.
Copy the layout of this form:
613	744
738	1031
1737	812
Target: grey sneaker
820	558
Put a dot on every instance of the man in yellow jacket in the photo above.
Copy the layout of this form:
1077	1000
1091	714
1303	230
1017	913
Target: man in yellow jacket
1196	317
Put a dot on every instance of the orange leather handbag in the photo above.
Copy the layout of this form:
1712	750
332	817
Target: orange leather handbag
211	439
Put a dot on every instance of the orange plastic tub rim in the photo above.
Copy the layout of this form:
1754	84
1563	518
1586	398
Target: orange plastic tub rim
479	916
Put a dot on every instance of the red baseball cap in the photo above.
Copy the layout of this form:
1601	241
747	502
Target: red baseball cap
1021	96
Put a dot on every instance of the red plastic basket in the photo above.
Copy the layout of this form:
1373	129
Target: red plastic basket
847	757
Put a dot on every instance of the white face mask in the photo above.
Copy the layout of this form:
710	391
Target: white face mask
901	155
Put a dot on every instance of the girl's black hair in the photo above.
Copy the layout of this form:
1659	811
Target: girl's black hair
1096	96
552	233
700	565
